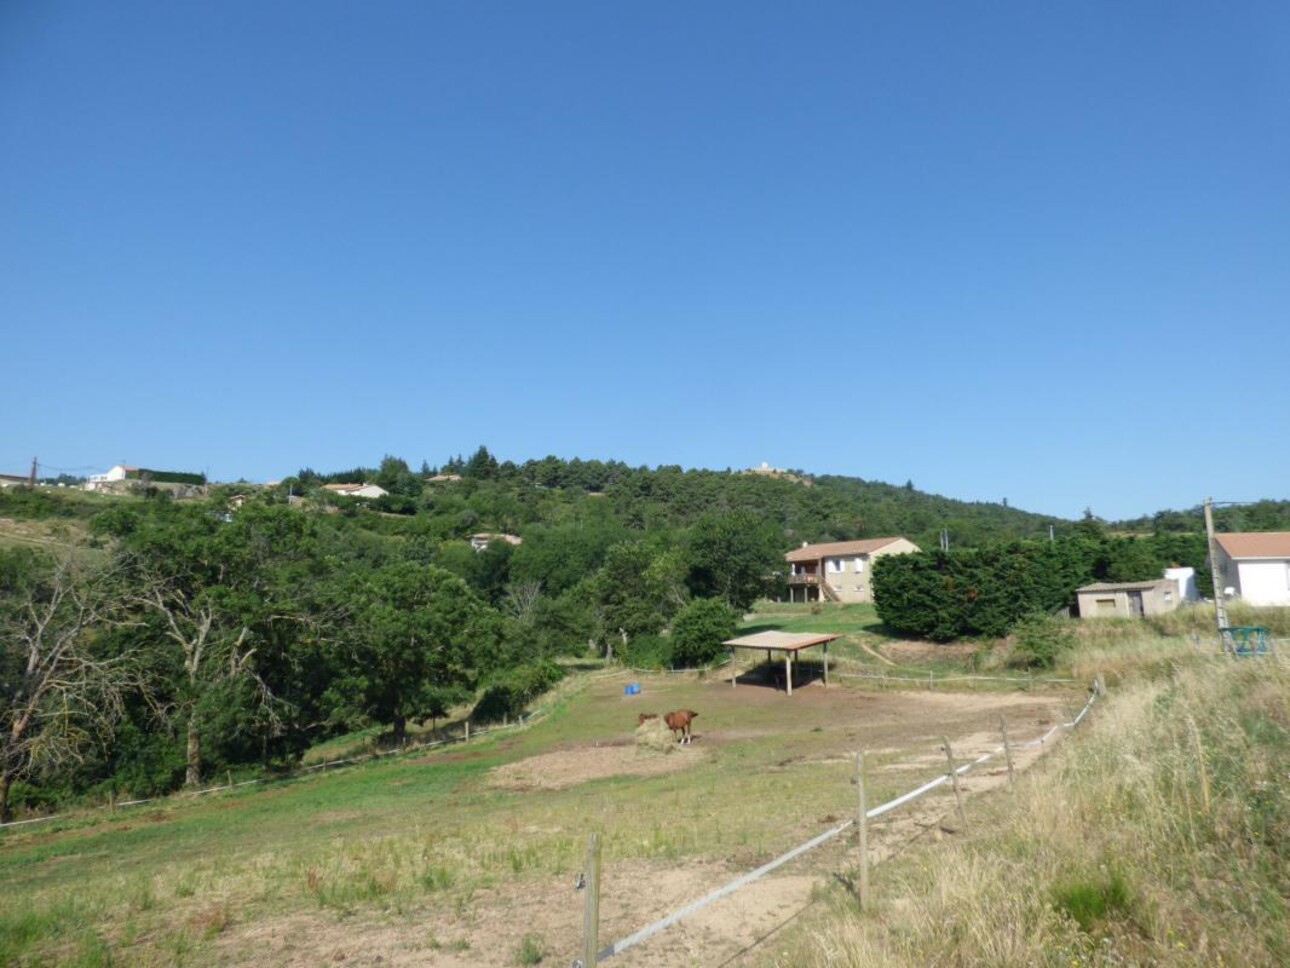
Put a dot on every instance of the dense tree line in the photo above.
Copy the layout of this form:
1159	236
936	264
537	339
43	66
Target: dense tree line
987	591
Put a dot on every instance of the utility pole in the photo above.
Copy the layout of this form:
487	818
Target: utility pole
32	480
1220	606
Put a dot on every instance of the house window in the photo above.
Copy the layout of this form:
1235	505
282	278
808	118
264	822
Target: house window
835	565
859	565
1105	605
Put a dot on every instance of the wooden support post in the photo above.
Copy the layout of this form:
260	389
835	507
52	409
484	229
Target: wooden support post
591	904
954	778
1099	686
1007	751
468	731
862	822
733	672
230	779
788	672
826	665
931	679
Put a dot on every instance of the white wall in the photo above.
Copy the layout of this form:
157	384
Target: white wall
1264	582
1186	579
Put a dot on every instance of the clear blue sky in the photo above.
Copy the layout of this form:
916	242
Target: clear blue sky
1021	250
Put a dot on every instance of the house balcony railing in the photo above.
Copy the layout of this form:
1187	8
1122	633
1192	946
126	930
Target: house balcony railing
803	579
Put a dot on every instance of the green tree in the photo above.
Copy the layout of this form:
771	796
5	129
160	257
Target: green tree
412	632
732	555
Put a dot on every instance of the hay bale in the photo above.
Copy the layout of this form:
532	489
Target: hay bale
653	737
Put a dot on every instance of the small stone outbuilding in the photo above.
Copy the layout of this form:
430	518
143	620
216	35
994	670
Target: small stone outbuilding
1128	599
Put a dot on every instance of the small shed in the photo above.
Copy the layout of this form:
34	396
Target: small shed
1128	599
789	643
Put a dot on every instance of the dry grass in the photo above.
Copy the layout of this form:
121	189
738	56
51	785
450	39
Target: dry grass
1160	835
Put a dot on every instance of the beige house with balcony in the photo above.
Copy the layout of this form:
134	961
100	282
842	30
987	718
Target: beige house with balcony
839	571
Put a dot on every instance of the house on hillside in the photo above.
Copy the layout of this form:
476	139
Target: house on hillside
124	478
1255	566
839	571
14	480
117	474
367	491
482	540
1128	599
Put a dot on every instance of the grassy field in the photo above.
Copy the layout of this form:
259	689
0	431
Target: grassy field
464	856
467	853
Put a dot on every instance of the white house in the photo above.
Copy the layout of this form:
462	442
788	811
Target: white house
119	472
1255	566
839	570
357	490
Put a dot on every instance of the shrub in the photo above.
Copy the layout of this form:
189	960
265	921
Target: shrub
700	628
649	652
509	693
1039	640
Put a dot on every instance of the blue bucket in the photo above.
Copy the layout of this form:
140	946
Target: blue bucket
632	689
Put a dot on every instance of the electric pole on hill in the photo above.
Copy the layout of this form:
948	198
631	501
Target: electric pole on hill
32	481
1220	606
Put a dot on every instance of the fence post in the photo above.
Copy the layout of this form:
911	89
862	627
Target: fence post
1007	751
931	679
862	822
591	906
467	730
954	778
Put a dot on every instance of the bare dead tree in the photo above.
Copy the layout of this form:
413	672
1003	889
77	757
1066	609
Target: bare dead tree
522	598
59	689
215	647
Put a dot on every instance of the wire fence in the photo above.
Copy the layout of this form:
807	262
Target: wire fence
618	947
467	734
931	679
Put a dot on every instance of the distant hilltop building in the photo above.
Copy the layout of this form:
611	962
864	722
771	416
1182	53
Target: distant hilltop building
765	470
124	478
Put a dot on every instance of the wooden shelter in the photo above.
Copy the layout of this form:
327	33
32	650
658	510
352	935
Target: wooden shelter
789	643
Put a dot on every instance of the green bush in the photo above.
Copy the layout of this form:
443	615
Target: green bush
1039	640
649	652
699	629
509	693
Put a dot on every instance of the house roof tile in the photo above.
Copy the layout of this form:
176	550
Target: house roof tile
1255	544
834	549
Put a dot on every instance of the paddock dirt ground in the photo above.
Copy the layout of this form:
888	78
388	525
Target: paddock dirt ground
902	729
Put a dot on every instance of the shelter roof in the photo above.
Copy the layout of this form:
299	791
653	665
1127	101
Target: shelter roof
1255	544
832	549
782	641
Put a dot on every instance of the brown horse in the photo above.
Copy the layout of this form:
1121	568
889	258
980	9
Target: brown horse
678	721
